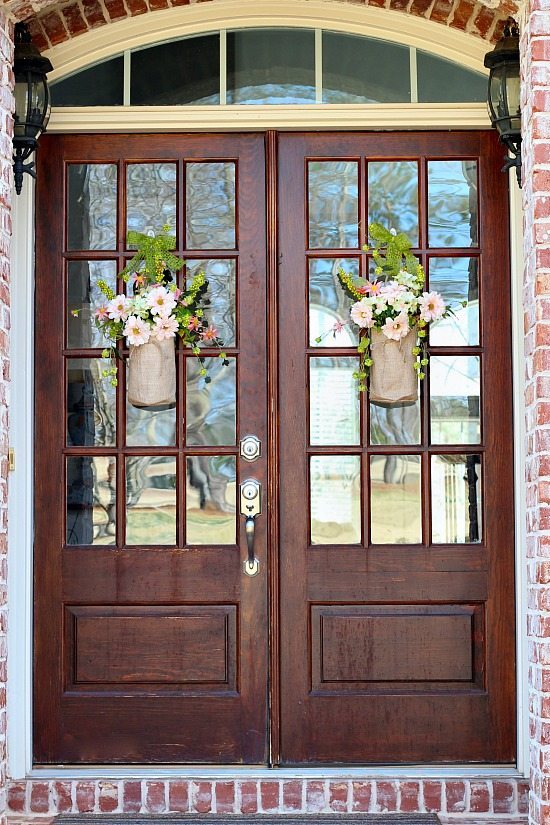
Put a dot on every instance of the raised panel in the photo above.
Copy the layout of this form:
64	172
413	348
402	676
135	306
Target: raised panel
135	647
395	646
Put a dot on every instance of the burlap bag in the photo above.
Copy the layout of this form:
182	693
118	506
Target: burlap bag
393	378
152	374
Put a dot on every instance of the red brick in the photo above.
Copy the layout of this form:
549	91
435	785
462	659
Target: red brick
158	4
115	9
398	5
108	797
432	796
136	7
16	797
54	28
74	21
93	13
249	797
292	796
155	797
131	797
225	797
180	2
38	35
456	797
269	795
201	797
462	15
523	797
62	797
503	797
85	797
178	797
441	11
40	797
409	797
483	22
419	8
540	49
386	796
338	796
479	797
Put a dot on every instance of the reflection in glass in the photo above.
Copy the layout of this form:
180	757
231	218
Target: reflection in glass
211	499
452	203
441	81
333	204
151	197
395	423
393	195
91	206
222	284
99	85
150	426
150	500
364	70
457	280
456	499
271	66
395	499
84	295
328	303
91	404
210	205
176	73
334	416
91	500
211	409
335	494
454	399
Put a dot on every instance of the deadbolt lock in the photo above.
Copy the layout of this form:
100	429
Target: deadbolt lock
251	498
251	448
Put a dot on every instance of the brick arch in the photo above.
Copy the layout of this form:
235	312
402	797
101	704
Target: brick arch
55	21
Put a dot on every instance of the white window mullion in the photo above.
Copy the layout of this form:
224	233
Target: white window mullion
223	67
318	65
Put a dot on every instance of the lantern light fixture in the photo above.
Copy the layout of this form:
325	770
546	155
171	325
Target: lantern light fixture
504	94
32	102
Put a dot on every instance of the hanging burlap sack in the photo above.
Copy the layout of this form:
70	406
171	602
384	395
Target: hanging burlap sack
393	378
152	374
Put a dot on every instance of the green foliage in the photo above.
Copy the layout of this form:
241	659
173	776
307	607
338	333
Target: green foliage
154	252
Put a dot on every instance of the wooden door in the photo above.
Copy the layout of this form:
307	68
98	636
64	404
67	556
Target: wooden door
397	524
150	642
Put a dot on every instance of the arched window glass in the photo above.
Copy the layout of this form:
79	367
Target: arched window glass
364	70
99	85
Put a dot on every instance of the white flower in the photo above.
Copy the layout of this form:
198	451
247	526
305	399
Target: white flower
117	309
166	326
401	302
432	306
361	313
161	301
137	331
396	328
406	278
393	232
139	305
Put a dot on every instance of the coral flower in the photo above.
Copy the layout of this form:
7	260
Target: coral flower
396	328
161	301
166	326
117	309
137	331
432	306
209	334
361	314
193	324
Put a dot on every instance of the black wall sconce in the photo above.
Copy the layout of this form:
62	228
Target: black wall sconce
504	93
32	102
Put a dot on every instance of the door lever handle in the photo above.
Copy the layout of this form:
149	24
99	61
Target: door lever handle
251	564
251	507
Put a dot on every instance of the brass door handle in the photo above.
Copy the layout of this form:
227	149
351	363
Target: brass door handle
251	507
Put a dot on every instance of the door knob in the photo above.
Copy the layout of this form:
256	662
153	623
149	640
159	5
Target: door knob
251	507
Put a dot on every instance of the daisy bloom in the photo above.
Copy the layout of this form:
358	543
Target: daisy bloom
137	331
166	326
375	288
361	314
209	334
193	324
396	328
161	301
102	313
117	309
432	306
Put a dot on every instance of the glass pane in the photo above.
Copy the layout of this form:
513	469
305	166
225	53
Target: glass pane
91	404
441	81
221	274
452	203
151	197
364	70
151	499
271	66
335	491
333	204
454	399
211	409
334	416
84	296
172	74
395	423
329	305
100	85
395	499
456	499
91	500
210	199
393	195
91	206
150	426
211	499
457	279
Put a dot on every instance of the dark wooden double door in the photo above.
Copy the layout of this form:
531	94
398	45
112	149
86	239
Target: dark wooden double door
379	628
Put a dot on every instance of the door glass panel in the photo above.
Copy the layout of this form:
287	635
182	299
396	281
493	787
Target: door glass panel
456	499
454	399
84	297
329	306
334	401
211	499
151	197
452	203
393	195
210	205
364	70
151	500
91	404
221	274
91	205
395	499
211	409
91	500
395	423
150	426
335	496
457	279
333	187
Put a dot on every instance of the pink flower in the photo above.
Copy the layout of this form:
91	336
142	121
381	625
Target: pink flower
117	309
137	331
432	306
166	326
160	301
193	324
392	289
102	313
209	334
396	328
338	326
176	293
361	314
375	287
